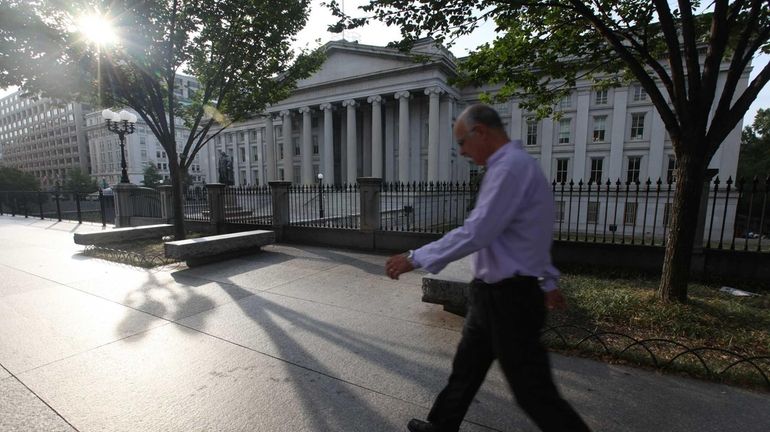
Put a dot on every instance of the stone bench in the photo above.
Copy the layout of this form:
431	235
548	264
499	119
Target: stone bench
449	287
203	250
124	234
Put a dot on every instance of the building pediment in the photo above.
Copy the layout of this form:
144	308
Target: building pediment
347	60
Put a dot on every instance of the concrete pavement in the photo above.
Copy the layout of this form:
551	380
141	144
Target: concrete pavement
289	339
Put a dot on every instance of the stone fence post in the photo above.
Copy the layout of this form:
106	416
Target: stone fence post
166	206
279	190
369	193
124	207
216	206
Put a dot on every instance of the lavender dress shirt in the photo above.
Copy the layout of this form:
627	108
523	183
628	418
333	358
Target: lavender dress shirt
510	230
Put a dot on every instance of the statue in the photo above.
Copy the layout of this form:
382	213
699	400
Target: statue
226	175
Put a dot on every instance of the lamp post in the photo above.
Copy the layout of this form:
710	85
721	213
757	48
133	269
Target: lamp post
121	123
320	195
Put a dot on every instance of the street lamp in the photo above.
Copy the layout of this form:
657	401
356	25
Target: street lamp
320	195
121	123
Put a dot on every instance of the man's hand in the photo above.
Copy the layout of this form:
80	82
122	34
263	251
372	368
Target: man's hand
554	300
396	265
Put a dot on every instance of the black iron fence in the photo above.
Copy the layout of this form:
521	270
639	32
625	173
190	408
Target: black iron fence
248	205
425	207
60	205
196	205
639	213
325	205
145	202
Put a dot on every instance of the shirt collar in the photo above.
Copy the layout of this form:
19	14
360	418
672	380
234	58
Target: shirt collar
502	151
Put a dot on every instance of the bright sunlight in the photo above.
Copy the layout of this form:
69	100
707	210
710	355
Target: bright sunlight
97	28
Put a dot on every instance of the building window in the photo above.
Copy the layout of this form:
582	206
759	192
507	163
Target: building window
593	212
297	177
601	97
637	126
562	166
596	170
671	170
531	131
600	128
634	167
565	102
629	216
564	131
639	94
280	151
254	153
242	153
315	144
295	143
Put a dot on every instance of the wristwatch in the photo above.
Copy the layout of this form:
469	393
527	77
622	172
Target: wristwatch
410	257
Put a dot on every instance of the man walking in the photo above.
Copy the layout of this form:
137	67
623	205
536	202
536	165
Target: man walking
509	233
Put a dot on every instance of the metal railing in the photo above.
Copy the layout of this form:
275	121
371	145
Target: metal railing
59	205
145	202
425	207
326	205
639	213
196	205
248	205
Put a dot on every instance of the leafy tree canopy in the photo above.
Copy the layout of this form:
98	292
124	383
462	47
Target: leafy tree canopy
755	148
12	179
152	177
79	181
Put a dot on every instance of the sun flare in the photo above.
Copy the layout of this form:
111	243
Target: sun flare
97	28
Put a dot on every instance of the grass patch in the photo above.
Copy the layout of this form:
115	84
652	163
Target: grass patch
698	337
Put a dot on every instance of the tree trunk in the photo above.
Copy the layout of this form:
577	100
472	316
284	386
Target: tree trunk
690	174
176	197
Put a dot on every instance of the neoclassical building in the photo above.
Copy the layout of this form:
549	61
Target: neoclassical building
374	111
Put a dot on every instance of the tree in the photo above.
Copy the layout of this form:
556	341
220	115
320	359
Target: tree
152	177
80	182
238	50
679	56
755	149
13	179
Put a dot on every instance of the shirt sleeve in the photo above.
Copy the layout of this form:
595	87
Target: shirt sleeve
498	201
550	278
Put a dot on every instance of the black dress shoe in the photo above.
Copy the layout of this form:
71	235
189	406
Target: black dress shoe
415	425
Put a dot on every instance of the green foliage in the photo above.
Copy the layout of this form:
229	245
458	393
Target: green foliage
755	148
78	181
12	179
152	178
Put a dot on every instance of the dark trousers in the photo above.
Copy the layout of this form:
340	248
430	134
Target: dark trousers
503	322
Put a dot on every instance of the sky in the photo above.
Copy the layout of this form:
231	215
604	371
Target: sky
379	34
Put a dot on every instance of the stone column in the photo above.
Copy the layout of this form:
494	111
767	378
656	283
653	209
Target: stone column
352	164
288	147
250	180
269	149
327	168
657	142
166	206
124	208
377	149
369	194
618	134
307	147
581	134
403	135
390	130
216	206
433	132
279	191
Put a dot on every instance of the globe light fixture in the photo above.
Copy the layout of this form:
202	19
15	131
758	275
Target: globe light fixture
121	123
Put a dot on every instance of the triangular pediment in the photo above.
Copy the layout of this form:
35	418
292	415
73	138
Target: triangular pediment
348	62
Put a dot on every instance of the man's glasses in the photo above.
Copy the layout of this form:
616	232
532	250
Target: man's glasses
461	141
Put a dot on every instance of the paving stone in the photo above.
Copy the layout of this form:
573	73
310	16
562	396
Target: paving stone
22	411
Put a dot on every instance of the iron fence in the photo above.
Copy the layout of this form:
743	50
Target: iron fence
325	205
59	205
425	207
248	205
145	202
196	205
639	213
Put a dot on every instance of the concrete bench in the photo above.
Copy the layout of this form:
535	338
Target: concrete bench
124	234
202	250
449	287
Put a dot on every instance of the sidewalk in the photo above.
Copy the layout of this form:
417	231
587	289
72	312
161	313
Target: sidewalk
289	339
